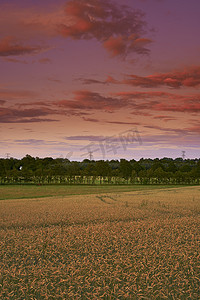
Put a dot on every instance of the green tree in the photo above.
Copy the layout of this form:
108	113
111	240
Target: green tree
103	169
125	169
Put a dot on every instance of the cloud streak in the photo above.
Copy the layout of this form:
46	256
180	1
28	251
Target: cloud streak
37	142
10	47
38	112
85	103
90	138
161	101
87	100
108	80
12	115
189	77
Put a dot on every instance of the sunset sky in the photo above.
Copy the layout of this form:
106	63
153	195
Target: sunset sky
86	75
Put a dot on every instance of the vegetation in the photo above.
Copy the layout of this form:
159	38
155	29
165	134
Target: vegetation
61	171
40	191
141	244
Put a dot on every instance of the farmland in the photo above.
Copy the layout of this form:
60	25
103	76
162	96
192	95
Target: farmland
39	191
111	242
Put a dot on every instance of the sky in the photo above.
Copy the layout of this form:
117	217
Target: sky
99	79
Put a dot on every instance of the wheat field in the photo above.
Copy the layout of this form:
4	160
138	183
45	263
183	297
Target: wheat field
140	244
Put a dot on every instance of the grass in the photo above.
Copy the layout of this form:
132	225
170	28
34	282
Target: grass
39	191
136	244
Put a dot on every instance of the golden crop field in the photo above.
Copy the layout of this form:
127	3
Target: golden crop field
141	244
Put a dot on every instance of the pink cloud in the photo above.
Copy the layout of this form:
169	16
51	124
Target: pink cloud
12	115
86	100
44	60
189	77
118	27
187	107
108	80
90	138
122	45
13	60
161	101
10	47
90	120
36	103
115	45
140	113
164	118
146	95
123	123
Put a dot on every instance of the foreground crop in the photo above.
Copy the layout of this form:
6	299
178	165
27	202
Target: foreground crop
136	245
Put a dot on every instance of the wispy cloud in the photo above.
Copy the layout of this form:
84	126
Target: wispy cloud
161	101
87	100
39	142
111	122
44	60
11	115
34	104
122	123
189	77
108	80
90	120
164	118
14	60
10	47
187	107
149	95
30	142
118	28
19	114
90	138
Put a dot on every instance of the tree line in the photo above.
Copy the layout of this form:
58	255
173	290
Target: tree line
47	170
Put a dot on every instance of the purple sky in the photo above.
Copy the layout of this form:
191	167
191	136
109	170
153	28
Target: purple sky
79	76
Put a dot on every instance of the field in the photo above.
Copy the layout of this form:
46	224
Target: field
99	242
39	191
